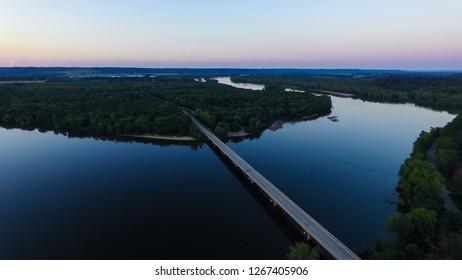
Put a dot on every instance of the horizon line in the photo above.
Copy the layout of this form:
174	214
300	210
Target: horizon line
243	68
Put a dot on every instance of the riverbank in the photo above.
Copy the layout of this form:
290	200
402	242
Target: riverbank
22	82
235	134
279	124
340	94
161	137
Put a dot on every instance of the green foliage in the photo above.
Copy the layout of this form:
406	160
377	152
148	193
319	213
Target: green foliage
221	129
454	246
141	106
205	116
447	143
413	252
195	132
385	249
423	143
417	226
303	251
451	221
457	181
446	161
425	229
420	185
97	106
430	91
449	152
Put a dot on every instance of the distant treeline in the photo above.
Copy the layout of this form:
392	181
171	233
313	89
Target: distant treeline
141	106
439	92
63	71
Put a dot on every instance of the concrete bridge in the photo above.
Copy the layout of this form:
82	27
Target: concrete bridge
311	228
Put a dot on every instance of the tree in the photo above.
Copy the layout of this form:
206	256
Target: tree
206	117
384	249
447	143
417	226
221	130
420	185
457	181
455	246
446	160
303	251
423	143
8	118
138	106
194	131
238	119
413	252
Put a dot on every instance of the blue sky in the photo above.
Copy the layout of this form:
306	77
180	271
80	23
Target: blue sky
406	34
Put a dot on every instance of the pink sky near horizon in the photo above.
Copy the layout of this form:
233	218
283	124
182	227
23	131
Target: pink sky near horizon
417	35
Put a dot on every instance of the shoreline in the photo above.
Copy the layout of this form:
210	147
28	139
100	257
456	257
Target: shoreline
161	137
340	94
235	134
22	82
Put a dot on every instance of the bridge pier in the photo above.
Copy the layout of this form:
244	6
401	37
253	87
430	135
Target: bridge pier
274	203
307	235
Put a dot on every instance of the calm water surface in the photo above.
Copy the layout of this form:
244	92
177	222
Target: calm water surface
343	173
227	81
72	198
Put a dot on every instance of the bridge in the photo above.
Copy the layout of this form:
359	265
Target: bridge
310	227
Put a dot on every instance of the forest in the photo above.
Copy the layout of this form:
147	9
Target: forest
150	106
433	91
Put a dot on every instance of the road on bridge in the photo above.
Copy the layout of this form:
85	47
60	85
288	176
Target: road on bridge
312	228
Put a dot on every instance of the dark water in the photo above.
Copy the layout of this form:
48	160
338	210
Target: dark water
71	198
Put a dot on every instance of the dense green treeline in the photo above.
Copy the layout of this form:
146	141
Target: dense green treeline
446	143
150	106
223	108
449	155
304	251
99	106
429	91
424	228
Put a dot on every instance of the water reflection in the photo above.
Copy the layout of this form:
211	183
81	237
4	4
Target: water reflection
343	173
81	198
66	196
227	81
102	136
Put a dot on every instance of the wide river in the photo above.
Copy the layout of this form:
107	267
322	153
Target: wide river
81	198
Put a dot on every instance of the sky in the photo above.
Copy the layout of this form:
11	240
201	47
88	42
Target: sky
372	34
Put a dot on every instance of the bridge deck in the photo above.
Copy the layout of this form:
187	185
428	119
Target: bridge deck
331	244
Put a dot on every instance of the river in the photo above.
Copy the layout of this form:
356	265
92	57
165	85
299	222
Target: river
82	198
229	82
